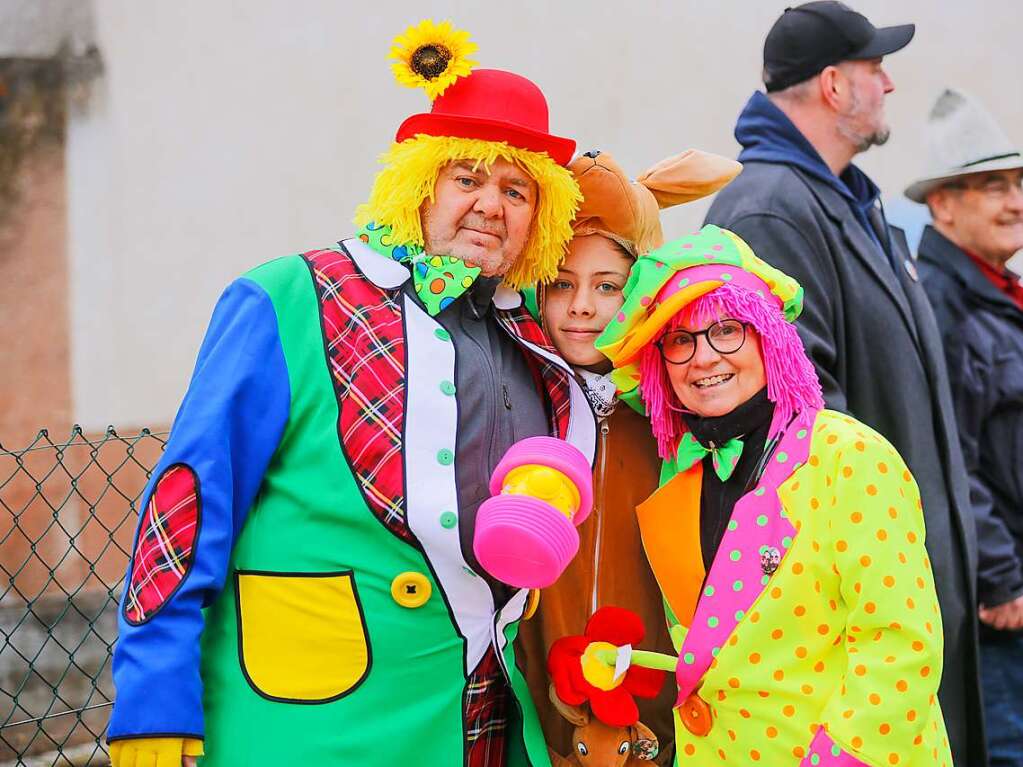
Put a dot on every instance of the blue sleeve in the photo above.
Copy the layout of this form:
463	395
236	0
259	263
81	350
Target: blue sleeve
226	431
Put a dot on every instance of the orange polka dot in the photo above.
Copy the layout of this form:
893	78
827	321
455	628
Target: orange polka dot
860	670
856	517
754	755
847	714
910	603
733	683
893	758
841	545
888	581
815	504
721	755
799	611
847	471
890	659
911	536
732	640
721	695
818	666
816	546
789	710
832	439
772	732
917	645
893	512
918	740
865	561
859	446
823	629
777	634
800	652
754	657
690	749
797	568
920	583
798	752
744	713
870	607
882	467
882	535
874	698
775	593
884	729
778	675
857	742
731	735
806	689
871	489
754	617
902	558
763	693
911	715
901	685
925	671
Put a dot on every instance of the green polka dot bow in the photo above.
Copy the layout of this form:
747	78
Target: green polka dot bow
724	457
438	280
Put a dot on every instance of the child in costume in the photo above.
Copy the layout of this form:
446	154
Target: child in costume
787	540
303	589
617	221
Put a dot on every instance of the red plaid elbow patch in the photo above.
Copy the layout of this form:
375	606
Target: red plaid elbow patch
166	539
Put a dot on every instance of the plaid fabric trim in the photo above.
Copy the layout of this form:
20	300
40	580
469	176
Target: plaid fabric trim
520	323
488	701
365	345
166	539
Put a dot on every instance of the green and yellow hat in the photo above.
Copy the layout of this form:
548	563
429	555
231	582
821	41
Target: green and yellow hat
667	279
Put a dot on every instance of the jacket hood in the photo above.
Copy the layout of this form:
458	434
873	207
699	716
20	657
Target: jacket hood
768	135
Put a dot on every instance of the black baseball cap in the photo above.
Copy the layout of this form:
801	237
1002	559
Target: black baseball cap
815	35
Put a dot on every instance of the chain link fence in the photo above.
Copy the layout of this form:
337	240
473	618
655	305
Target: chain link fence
68	511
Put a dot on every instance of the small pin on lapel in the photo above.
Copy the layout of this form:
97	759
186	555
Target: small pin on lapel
770	558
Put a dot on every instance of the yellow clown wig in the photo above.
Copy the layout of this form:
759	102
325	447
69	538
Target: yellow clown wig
410	176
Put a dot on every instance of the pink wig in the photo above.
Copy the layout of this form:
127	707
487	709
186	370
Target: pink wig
792	383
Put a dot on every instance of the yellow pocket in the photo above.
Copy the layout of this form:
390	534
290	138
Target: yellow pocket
302	635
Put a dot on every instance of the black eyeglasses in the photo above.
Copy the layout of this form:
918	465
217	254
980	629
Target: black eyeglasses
724	337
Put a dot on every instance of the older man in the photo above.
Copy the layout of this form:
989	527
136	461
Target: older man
974	189
303	589
804	207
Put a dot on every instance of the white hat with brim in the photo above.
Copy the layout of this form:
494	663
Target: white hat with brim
962	139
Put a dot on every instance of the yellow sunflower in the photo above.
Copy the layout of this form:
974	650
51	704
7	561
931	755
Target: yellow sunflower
431	56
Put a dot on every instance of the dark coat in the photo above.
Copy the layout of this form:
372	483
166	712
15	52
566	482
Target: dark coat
983	334
870	331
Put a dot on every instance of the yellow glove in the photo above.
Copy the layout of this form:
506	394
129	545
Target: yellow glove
153	752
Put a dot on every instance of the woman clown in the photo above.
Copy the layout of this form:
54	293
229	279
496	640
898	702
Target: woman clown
787	539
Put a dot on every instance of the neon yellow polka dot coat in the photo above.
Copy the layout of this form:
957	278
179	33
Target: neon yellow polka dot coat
830	656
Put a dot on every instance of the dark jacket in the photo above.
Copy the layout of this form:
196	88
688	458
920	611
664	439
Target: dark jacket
869	329
983	334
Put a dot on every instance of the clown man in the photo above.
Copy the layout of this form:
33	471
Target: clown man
303	588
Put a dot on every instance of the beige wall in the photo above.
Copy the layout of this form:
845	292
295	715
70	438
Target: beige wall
227	133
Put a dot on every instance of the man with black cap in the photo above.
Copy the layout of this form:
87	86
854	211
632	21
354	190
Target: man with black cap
803	206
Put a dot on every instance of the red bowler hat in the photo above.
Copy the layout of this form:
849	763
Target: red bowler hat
492	105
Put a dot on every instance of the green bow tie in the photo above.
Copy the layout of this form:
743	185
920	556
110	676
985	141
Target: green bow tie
438	280
724	457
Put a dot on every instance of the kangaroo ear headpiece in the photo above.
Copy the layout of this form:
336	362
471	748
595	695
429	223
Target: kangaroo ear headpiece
629	212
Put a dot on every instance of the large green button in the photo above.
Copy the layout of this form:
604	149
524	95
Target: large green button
445	457
448	520
442	334
447	387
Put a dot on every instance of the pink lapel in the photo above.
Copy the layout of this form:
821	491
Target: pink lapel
755	542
